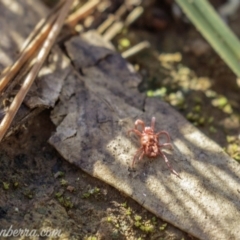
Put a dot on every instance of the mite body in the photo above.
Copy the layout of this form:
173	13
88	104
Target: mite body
150	143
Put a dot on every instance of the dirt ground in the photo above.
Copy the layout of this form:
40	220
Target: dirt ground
40	190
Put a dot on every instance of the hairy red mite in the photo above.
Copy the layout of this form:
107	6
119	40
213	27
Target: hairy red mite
150	143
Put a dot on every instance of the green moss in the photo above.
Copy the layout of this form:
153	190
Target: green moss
149	228
193	117
154	220
86	195
63	182
137	217
197	108
163	227
137	224
210	119
237	157
6	185
142	227
228	109
197	100
91	238
115	234
28	193
212	129
124	204
124	42
230	139
58	194
61	200
90	192
59	174
67	203
189	116
129	211
161	92
233	150
220	101
201	121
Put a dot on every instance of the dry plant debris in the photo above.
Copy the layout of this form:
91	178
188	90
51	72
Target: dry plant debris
53	29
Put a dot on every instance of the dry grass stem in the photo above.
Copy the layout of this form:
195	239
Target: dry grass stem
133	15
37	37
20	75
136	49
113	31
16	126
30	46
106	24
26	54
118	25
41	24
47	45
81	13
111	19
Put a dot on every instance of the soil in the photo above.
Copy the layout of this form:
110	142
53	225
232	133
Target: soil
40	190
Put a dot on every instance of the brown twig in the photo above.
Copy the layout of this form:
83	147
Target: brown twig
26	118
30	45
41	24
81	13
36	38
26	54
50	38
24	70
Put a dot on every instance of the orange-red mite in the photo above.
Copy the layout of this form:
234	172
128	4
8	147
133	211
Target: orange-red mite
150	143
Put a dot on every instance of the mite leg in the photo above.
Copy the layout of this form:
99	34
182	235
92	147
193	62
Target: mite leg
168	164
153	123
141	123
164	133
135	131
166	145
136	155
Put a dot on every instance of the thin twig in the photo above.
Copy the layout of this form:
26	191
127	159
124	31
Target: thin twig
30	115
30	45
37	36
133	16
111	19
106	24
81	13
30	38
50	39
136	49
119	25
41	24
113	31
24	70
26	54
